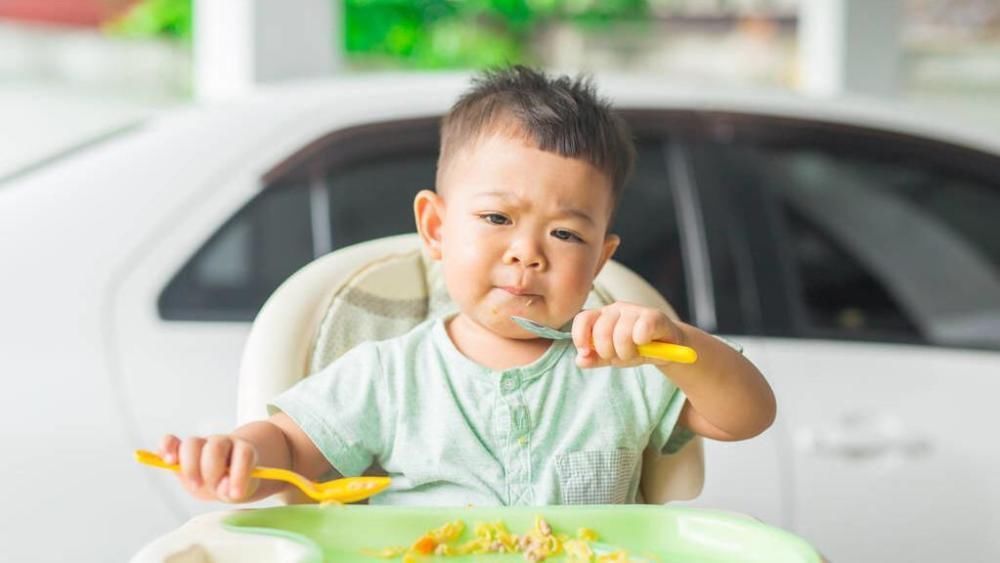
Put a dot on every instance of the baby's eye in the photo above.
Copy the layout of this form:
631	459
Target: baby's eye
563	234
495	218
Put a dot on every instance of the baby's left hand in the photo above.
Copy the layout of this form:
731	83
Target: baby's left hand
609	335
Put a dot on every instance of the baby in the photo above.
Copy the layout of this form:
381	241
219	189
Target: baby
472	408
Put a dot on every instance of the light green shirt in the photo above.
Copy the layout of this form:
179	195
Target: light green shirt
452	432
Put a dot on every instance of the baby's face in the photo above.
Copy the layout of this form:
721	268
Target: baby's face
523	233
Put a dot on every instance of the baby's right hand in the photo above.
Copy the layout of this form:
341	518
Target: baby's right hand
213	468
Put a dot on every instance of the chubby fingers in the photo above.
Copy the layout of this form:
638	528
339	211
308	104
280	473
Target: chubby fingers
611	335
623	337
645	328
203	464
583	326
242	461
599	339
226	464
654	325
169	446
213	468
603	333
215	465
190	462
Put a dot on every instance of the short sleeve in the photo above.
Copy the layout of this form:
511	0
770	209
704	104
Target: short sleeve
341	408
667	437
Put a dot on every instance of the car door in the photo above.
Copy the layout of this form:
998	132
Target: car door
877	265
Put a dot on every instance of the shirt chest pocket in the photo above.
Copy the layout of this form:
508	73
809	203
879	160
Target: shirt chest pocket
596	477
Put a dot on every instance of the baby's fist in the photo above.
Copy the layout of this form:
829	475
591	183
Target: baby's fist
610	335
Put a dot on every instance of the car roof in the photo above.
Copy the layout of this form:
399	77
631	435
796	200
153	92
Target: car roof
293	112
398	95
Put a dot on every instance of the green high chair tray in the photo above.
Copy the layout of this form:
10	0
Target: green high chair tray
657	533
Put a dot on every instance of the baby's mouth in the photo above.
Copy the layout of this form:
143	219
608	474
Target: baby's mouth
518	291
519	300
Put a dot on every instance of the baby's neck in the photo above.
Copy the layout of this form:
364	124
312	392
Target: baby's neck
490	349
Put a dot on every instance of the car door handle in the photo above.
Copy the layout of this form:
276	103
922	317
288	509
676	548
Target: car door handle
861	448
863	436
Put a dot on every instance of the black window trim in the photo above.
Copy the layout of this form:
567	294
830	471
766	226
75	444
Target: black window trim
717	300
694	244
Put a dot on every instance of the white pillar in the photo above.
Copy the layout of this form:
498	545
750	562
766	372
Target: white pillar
849	46
239	44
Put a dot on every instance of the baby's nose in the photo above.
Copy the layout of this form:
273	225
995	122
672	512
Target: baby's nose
527	255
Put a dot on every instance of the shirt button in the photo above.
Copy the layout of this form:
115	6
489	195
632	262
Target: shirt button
523	440
508	383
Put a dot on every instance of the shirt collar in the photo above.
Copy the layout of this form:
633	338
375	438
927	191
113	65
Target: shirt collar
527	372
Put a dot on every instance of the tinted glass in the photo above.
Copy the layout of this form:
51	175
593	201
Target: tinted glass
895	247
373	198
240	266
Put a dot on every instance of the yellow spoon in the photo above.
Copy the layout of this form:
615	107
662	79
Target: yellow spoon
657	350
349	489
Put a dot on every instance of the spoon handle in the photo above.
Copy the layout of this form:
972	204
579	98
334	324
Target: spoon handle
347	489
669	352
149	458
273	473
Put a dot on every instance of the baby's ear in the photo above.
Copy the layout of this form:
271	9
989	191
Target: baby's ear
428	210
611	243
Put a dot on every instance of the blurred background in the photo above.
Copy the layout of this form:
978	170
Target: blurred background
817	179
70	69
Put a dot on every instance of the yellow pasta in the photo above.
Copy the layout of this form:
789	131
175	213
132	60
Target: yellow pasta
537	544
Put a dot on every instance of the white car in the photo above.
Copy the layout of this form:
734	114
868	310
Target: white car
853	250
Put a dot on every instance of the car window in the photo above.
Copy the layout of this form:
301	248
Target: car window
232	275
359	186
893	245
347	187
373	197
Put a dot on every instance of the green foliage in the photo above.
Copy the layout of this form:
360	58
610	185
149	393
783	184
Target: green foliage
431	33
155	18
419	33
471	33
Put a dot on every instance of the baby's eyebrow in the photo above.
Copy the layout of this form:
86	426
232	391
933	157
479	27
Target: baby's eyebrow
564	210
500	195
572	211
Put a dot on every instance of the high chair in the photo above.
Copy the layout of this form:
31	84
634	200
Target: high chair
383	288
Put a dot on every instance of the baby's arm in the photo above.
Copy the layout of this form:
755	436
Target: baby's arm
218	467
727	397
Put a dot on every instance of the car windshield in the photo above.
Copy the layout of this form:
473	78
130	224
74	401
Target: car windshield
65	152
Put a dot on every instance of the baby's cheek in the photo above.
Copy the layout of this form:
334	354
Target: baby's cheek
458	280
577	295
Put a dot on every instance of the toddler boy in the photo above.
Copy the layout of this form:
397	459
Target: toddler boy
473	409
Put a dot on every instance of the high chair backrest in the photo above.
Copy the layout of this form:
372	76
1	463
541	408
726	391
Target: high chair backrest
383	288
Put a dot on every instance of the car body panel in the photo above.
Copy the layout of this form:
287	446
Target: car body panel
906	447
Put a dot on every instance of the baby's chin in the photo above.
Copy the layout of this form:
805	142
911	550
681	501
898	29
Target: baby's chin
499	321
502	325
